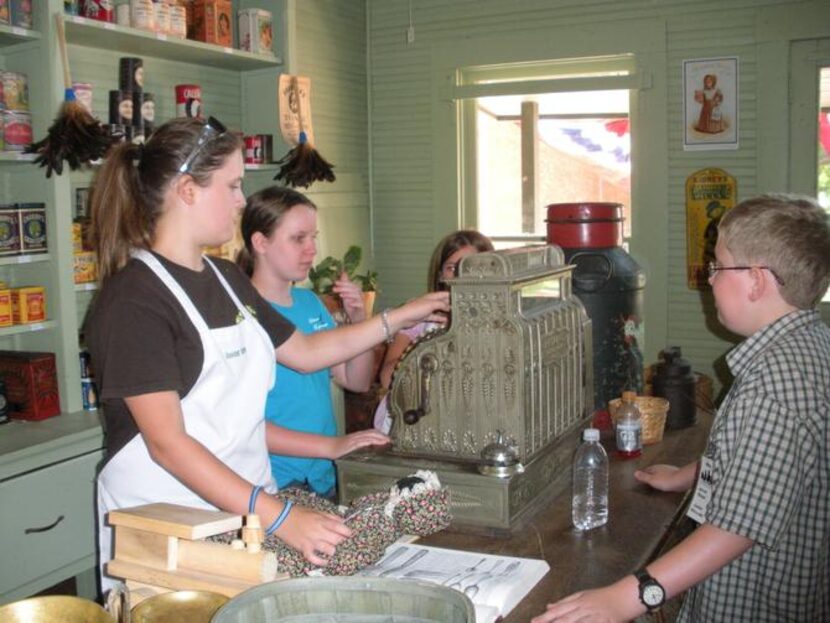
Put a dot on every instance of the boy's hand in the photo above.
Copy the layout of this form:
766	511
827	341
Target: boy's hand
348	443
612	604
314	534
667	477
352	296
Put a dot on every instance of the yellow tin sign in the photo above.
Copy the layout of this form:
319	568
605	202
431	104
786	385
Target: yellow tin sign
709	194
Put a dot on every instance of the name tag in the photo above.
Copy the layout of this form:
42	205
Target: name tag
703	492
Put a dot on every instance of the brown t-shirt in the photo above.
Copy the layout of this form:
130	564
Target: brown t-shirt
141	340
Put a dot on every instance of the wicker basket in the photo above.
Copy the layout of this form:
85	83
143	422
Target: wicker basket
653	411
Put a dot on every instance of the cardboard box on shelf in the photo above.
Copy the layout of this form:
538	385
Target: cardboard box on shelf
28	304
31	384
213	22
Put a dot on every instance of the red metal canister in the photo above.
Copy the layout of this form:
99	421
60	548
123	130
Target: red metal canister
102	10
254	153
588	225
189	100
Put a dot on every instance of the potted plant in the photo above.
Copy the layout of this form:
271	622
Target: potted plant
326	272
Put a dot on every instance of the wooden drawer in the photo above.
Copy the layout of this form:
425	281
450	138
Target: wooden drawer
47	520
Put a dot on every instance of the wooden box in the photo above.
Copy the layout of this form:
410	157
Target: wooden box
31	384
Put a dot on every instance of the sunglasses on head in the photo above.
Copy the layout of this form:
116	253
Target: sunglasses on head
212	129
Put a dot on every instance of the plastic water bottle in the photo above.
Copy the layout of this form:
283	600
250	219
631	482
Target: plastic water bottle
629	427
589	507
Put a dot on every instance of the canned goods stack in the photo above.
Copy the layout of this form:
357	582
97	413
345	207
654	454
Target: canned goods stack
16	13
131	110
89	393
258	149
22	229
189	101
16	127
23	305
101	10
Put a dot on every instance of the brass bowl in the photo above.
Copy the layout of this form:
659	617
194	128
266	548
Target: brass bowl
178	606
52	608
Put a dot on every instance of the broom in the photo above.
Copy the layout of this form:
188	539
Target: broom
75	135
303	164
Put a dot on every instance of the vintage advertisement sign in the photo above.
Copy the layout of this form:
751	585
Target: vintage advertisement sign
710	104
295	108
709	194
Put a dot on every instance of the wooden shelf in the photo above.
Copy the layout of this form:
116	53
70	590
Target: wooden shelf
11	35
24	259
27	328
108	36
16	156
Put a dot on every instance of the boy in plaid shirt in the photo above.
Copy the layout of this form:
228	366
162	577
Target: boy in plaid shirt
762	495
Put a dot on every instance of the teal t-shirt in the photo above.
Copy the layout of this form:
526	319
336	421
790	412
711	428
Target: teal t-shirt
302	402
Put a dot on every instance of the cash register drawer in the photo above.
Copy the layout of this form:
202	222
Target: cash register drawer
47	520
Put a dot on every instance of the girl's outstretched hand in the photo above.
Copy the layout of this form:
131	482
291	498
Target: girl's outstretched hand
314	534
352	296
431	307
361	439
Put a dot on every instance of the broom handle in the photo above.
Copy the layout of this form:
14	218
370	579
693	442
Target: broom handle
67	80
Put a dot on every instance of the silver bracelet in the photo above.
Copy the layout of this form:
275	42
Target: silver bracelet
384	322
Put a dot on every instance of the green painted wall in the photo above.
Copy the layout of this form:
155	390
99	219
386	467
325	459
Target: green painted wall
413	123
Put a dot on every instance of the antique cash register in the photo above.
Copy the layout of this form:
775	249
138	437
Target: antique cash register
495	402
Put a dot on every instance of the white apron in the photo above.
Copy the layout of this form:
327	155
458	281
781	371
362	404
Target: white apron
224	410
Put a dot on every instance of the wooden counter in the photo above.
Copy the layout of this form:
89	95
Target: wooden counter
639	521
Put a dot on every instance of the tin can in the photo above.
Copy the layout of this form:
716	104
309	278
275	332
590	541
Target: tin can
70	7
148	113
22	13
121	107
162	17
15	90
116	131
83	93
89	395
267	147
122	15
17	130
102	10
255	31
86	364
9	230
32	219
253	149
142	14
189	101
135	134
130	74
178	21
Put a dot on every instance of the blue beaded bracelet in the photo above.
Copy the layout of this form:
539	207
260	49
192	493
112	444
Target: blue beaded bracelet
252	501
280	519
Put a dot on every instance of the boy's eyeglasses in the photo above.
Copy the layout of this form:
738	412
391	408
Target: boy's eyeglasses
212	128
714	267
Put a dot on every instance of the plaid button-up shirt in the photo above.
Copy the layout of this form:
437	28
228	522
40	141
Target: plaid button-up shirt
769	447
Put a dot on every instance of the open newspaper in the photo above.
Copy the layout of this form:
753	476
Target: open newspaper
495	584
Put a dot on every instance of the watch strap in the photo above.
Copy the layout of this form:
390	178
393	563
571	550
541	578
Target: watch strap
644	578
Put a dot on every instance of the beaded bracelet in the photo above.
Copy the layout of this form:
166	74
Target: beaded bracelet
384	322
280	518
252	500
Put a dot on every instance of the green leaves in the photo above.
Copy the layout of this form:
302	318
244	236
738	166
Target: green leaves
324	275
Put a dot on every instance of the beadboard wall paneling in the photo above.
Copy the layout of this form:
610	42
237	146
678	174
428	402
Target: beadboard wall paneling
403	125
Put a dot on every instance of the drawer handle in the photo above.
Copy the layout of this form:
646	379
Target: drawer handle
44	528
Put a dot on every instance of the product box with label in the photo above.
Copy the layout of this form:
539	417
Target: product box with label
212	22
28	304
84	267
255	31
31	384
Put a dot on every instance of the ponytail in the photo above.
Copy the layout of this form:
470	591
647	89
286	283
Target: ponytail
245	260
118	222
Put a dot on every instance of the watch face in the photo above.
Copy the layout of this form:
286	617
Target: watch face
652	595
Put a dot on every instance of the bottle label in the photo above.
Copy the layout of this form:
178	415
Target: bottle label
629	437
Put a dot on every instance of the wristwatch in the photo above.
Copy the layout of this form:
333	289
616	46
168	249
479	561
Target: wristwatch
652	593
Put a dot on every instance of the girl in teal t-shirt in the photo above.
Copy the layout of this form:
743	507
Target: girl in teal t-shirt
279	228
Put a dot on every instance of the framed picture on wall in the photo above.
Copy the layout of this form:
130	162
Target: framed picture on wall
710	103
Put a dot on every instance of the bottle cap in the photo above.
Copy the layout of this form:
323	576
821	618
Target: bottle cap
629	396
590	434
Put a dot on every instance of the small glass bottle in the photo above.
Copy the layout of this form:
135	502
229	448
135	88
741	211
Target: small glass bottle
589	505
629	427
